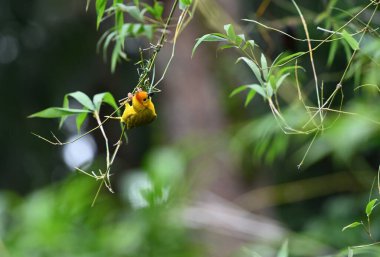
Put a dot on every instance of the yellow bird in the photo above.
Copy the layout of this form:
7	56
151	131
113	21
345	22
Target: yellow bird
140	112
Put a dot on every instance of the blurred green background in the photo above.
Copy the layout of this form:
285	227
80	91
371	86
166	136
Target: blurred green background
209	177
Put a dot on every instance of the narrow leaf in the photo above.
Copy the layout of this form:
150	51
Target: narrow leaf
255	69
134	11
100	8
370	206
208	38
119	16
107	41
264	67
350	40
238	90
56	112
82	98
352	225
230	32
250	96
149	31
250	43
80	120
158	10
280	80
332	52
347	50
241	36
104	98
286	58
227	46
259	89
116	53
183	4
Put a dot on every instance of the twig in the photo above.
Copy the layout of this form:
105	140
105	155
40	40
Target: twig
311	57
158	46
79	137
177	31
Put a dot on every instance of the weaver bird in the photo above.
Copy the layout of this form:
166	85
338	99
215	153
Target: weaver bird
140	111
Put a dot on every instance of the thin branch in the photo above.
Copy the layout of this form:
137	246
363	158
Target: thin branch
311	56
177	31
159	45
58	142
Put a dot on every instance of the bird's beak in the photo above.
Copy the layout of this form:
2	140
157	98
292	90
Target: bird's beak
150	94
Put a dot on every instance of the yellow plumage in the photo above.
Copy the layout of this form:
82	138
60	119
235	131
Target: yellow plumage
140	112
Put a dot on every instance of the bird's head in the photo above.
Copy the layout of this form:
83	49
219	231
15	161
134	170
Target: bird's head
143	100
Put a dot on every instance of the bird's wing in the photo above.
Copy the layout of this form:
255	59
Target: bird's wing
128	112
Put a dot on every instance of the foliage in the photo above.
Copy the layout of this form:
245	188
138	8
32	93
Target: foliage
148	19
56	221
314	112
270	78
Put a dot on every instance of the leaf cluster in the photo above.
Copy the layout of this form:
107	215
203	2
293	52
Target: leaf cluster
88	107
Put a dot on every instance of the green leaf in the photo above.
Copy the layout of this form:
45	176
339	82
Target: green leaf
370	206
284	250
327	12
57	112
280	80
350	40
156	10
255	69
259	89
291	68
227	46
352	225
241	36
287	58
332	52
264	67
82	98
137	29
248	43
347	50
107	41
149	31
80	120
119	15
230	32
250	96
238	90
104	98
134	11
100	8
116	53
215	37
183	4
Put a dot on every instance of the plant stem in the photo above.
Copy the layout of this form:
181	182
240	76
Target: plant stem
106	178
158	45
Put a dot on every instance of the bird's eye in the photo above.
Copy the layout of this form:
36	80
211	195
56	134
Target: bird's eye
145	99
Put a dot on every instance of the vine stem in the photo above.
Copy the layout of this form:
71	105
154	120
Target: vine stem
106	178
177	31
159	44
311	59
